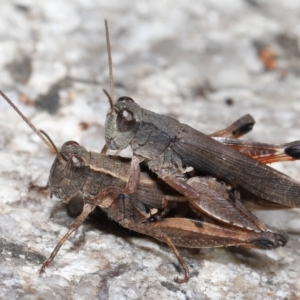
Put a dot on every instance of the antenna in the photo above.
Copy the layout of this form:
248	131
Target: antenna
109	99
41	134
50	141
111	74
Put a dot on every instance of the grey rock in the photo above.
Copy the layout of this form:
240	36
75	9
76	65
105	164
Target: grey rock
178	58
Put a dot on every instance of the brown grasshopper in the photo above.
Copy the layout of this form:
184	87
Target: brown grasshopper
169	148
154	208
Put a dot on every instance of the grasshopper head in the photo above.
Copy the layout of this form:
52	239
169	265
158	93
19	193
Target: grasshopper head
123	120
69	170
122	123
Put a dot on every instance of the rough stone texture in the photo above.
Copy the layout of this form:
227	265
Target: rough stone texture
184	59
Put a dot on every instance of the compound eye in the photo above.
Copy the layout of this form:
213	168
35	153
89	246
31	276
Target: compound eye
76	162
125	120
76	167
125	98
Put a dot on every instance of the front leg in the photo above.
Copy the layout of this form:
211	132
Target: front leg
134	175
40	189
74	226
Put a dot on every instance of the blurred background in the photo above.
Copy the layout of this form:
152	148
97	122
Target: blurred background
206	63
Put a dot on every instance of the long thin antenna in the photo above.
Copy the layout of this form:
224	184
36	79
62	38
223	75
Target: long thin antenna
109	100
50	141
50	145
111	74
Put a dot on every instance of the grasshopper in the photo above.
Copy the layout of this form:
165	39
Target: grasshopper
169	148
154	208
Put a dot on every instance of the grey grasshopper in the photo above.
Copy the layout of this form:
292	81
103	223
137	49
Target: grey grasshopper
154	208
169	148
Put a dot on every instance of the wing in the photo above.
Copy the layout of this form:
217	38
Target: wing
210	157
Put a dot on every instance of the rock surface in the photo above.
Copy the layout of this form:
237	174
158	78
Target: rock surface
206	64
